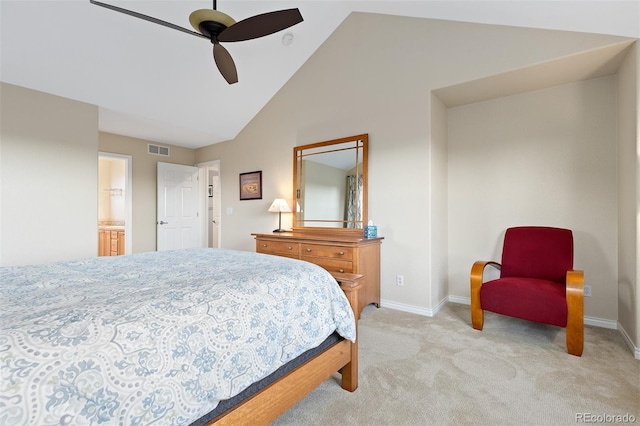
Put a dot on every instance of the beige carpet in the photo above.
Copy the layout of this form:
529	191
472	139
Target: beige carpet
416	370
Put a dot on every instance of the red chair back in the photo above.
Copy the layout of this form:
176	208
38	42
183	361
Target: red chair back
537	252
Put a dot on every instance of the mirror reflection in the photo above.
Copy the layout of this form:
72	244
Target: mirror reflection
330	184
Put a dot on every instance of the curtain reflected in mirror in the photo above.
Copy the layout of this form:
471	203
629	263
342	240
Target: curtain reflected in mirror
353	212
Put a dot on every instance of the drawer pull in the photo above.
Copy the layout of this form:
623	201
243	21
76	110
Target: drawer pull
264	245
289	247
340	253
309	250
341	270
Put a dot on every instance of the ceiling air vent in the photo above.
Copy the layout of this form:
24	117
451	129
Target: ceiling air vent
158	150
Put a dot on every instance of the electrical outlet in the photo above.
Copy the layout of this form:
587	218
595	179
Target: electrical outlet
399	279
587	291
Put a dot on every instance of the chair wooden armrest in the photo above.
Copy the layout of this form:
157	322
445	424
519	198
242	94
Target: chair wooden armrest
575	312
477	271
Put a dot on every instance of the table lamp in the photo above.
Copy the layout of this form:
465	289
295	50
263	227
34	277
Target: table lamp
279	205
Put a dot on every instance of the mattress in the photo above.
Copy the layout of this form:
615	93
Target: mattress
158	337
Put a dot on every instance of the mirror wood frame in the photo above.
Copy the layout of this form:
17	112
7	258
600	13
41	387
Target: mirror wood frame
297	152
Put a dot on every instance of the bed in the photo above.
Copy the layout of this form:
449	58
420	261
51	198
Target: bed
166	337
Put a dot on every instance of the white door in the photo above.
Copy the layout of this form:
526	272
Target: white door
178	224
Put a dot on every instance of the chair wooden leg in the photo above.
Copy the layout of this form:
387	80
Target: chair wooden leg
575	340
575	312
477	315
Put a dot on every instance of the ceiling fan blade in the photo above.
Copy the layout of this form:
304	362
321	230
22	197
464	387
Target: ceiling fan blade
147	18
225	63
261	25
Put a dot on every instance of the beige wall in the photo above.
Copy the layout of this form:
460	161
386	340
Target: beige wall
49	177
144	172
541	158
438	209
629	196
358	82
49	187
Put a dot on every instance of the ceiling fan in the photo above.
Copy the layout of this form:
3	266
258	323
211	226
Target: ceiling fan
220	27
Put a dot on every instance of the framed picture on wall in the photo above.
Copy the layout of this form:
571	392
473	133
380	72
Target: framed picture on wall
251	186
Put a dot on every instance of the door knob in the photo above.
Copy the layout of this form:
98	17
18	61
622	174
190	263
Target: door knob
162	222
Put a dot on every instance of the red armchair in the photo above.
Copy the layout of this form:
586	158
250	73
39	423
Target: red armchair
537	283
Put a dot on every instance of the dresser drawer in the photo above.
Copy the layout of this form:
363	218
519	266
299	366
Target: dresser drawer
330	264
343	253
280	248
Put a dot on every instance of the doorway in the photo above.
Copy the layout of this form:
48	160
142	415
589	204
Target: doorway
210	174
115	202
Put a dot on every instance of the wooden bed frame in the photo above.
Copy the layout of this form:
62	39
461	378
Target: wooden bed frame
279	396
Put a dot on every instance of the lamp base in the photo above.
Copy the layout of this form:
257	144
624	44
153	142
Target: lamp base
280	230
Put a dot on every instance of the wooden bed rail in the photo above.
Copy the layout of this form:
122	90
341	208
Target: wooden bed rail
275	399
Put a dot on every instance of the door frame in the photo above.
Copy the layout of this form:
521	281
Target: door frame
128	197
204	195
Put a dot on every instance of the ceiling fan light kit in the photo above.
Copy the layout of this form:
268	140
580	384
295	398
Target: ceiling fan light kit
203	15
220	27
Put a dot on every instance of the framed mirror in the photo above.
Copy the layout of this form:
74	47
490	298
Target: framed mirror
330	185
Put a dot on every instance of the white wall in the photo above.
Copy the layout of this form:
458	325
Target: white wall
541	158
104	183
438	208
629	196
359	82
49	168
143	182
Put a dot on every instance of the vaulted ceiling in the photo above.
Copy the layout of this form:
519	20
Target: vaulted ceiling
154	83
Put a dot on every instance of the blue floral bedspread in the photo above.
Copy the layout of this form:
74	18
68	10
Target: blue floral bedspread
155	337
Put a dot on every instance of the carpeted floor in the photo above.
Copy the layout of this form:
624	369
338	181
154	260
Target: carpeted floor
417	370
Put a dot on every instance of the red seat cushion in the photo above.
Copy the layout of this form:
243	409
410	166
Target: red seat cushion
531	299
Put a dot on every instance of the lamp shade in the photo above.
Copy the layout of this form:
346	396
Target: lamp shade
280	205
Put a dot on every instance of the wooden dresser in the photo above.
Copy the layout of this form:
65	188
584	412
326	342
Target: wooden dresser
336	253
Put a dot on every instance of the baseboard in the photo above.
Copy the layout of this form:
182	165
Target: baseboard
460	300
634	349
602	323
409	308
